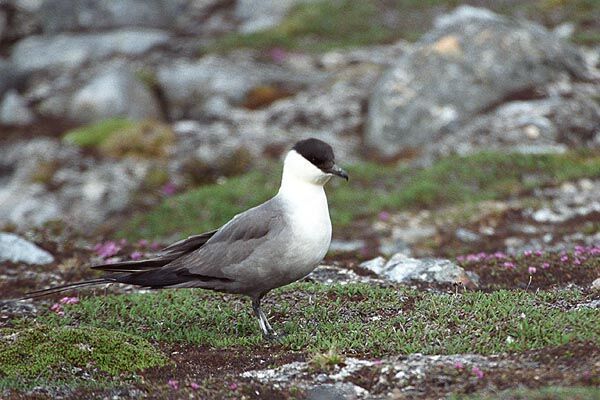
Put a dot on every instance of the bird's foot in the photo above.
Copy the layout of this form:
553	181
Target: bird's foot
273	336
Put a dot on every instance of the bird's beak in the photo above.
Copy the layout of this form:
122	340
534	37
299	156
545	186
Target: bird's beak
335	170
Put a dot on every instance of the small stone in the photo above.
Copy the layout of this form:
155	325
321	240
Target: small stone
532	131
596	284
14	110
16	249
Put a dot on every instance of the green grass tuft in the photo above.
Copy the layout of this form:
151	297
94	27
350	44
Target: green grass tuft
96	134
354	318
372	188
44	352
545	393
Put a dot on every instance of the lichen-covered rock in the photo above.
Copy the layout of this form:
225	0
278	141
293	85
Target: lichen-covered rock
400	268
115	93
69	51
472	61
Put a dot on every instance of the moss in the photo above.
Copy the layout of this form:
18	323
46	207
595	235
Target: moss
95	134
146	139
44	172
44	352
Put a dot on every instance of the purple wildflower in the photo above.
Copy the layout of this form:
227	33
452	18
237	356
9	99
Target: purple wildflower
527	253
545	265
142	243
509	265
173	384
194	386
538	253
477	372
278	55
69	300
136	255
531	270
233	386
384	216
169	189
458	365
577	261
155	246
499	255
564	258
107	249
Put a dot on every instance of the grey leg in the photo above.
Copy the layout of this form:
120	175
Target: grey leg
267	330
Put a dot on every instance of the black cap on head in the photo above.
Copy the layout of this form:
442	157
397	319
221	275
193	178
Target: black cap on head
317	152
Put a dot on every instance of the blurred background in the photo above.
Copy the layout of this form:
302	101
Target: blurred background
465	126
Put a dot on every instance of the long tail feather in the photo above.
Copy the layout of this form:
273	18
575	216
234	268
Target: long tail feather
62	288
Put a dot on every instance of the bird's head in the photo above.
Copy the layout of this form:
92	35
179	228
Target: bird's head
312	161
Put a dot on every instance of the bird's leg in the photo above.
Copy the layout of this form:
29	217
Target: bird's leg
267	330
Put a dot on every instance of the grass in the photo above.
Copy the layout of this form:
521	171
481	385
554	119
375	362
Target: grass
324	25
372	188
354	319
94	135
42	353
545	393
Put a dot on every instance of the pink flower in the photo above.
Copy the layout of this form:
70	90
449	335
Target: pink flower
173	384
527	253
107	249
564	258
577	261
278	55
477	372
384	216
142	243
56	307
69	300
509	265
531	270
194	386
545	265
499	255
233	386
458	365
169	189
136	255
538	253
155	246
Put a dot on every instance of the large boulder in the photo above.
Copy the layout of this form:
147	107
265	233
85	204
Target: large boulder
115	93
90	15
471	62
16	249
70	51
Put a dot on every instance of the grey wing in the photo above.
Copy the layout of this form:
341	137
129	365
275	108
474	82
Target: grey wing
232	245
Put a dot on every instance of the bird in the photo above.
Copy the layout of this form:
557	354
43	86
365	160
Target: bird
265	247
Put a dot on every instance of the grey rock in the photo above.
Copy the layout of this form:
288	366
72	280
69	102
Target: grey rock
346	246
43	180
115	93
188	86
91	15
336	391
466	235
70	51
256	15
596	284
332	275
470	63
400	268
547	125
16	249
14	110
10	77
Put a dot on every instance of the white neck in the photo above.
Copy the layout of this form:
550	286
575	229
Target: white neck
301	181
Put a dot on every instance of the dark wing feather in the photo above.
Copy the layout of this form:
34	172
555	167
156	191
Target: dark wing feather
233	243
166	255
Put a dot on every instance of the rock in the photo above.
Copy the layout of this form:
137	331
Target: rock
116	93
14	110
536	126
400	268
596	284
10	77
70	51
90	15
188	86
336	391
44	180
16	249
470	63
257	15
332	275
